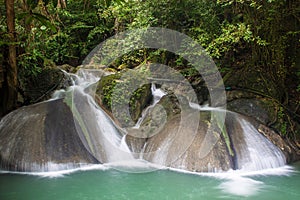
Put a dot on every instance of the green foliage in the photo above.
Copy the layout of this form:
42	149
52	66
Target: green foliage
32	3
57	48
239	34
231	37
281	116
30	64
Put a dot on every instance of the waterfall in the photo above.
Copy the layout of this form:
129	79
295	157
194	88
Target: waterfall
258	152
156	93
71	130
99	134
107	142
253	151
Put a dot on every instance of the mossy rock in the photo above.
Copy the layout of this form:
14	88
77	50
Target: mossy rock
119	97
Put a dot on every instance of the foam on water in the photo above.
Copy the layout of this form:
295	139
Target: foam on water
60	173
241	186
135	166
241	182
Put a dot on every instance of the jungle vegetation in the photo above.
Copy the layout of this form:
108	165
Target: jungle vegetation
242	36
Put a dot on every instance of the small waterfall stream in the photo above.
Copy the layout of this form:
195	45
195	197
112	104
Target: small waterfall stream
101	136
253	151
258	153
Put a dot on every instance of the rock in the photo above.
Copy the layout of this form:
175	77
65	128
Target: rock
251	106
291	151
40	136
174	135
126	98
68	132
68	68
179	146
40	87
265	116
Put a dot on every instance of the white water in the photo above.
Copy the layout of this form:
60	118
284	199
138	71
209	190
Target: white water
156	93
105	136
262	153
258	153
240	182
206	107
63	172
102	137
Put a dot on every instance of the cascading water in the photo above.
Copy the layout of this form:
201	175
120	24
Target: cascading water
100	134
253	151
258	153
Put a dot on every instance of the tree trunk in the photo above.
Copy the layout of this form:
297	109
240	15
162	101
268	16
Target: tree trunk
9	88
61	4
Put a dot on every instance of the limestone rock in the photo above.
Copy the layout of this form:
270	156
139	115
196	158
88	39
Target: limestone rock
36	137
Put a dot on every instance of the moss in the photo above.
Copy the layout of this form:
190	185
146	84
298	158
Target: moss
116	90
105	89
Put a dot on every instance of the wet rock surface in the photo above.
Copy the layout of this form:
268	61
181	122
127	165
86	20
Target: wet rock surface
35	136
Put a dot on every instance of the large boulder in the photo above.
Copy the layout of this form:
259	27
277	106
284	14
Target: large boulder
175	135
269	118
251	105
168	137
41	137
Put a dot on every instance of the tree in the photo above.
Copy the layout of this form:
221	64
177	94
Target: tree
9	89
61	4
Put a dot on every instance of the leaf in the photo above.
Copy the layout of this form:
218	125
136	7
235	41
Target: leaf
108	3
119	2
44	20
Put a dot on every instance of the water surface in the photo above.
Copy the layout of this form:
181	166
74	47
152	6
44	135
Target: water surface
103	183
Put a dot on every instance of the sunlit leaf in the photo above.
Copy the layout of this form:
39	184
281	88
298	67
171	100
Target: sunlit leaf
43	27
